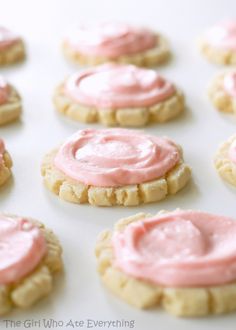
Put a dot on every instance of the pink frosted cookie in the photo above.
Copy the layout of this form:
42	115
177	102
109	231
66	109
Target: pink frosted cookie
222	91
219	43
225	160
115	167
29	257
12	47
10	102
117	42
182	260
114	94
5	163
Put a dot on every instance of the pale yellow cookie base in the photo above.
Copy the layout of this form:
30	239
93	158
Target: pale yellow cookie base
12	54
125	117
154	56
74	192
219	97
37	284
224	166
5	168
217	55
11	110
183	302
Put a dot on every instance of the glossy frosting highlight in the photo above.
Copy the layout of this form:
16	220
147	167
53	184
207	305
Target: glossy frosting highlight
223	35
115	157
179	249
118	86
111	39
22	246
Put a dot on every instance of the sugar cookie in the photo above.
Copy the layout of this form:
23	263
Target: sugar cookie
5	164
115	167
116	42
182	260
218	44
225	160
10	103
222	91
12	48
30	256
118	95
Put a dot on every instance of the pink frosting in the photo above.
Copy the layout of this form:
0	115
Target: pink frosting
22	247
179	249
229	83
4	90
7	38
232	152
118	86
111	39
223	35
115	157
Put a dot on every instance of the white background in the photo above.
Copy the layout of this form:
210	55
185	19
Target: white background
78	294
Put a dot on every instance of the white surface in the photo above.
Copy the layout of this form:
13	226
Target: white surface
78	294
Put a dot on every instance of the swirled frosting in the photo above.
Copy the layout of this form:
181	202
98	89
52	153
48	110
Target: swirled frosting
178	249
229	83
111	39
115	157
117	86
4	90
22	246
7	38
223	35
